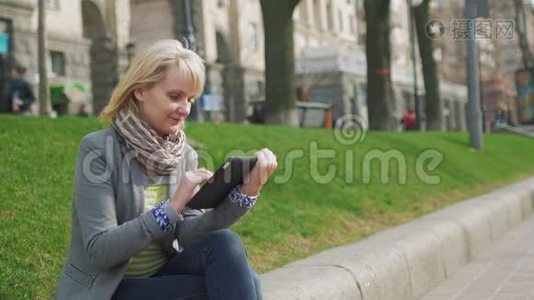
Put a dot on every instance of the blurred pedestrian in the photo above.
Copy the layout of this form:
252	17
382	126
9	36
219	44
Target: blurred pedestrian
82	111
19	96
409	120
61	104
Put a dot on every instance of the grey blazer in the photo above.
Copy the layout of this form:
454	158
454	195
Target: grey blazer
109	224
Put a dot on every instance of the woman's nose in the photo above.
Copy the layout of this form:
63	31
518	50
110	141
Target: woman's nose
184	107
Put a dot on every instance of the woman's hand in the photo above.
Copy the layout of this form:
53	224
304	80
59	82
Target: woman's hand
264	167
188	187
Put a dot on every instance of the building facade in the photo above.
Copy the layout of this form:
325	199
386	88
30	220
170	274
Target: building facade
329	43
227	34
92	41
338	75
499	54
68	50
87	43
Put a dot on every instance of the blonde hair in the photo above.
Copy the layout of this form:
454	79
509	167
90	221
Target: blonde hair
148	68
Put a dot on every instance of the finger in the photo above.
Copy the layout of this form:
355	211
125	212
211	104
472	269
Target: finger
199	176
255	175
271	162
263	171
206	172
203	172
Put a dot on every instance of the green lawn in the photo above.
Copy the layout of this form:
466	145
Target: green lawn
292	219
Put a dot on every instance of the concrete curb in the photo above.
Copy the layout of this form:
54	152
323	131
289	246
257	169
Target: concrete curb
407	261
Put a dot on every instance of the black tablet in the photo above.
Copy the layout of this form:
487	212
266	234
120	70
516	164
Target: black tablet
231	174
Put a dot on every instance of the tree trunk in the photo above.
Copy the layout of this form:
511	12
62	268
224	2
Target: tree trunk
377	48
433	107
279	61
521	26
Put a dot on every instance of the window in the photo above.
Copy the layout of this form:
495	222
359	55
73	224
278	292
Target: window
352	27
222	3
253	36
57	63
329	16
261	88
52	4
303	7
317	15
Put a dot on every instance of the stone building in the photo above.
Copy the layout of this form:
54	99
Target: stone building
337	75
86	40
68	50
228	35
328	53
499	55
330	63
499	89
106	25
93	40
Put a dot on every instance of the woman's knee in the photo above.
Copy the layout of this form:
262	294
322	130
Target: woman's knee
227	241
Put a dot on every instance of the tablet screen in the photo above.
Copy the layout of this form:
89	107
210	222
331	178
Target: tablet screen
229	175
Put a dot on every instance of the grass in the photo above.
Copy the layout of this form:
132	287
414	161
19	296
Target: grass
291	220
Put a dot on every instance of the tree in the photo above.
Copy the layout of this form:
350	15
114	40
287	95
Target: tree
433	107
377	48
279	60
521	27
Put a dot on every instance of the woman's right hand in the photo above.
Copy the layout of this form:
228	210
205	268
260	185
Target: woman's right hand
188	187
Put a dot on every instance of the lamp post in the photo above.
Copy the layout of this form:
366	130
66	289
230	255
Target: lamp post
473	103
188	24
190	38
416	98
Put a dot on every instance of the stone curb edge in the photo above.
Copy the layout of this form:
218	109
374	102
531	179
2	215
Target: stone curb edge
406	261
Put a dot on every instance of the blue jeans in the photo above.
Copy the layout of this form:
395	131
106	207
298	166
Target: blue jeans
214	267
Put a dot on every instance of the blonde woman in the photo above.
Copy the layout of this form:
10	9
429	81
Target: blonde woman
133	236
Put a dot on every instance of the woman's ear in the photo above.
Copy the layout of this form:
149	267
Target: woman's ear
139	93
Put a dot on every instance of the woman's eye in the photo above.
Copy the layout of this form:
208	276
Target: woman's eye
191	100
175	98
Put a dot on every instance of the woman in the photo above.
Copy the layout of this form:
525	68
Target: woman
132	185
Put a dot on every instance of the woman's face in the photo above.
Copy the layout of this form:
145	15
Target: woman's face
166	104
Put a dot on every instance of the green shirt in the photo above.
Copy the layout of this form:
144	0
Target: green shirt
152	258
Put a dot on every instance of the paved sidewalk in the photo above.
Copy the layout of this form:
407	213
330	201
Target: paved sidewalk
503	271
527	130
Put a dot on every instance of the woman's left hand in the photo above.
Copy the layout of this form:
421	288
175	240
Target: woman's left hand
264	167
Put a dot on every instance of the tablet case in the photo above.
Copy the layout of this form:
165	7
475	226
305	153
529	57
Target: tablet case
231	174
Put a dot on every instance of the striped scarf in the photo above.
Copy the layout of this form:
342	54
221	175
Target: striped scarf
156	153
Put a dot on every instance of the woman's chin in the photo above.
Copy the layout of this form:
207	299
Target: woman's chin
171	129
176	128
